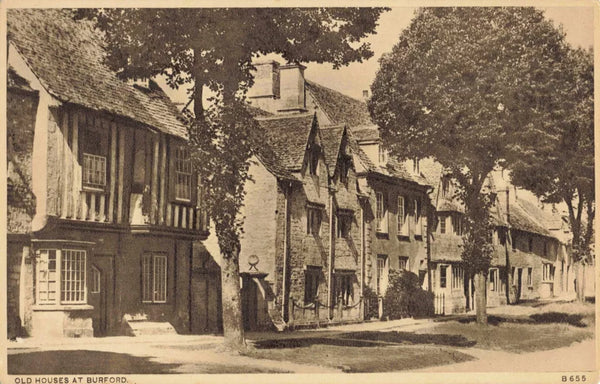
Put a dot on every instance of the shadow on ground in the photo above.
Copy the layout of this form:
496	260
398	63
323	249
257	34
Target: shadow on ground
368	339
538	318
83	362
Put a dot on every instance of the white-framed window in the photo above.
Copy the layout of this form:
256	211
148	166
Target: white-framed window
403	263
94	171
401	218
381	213
344	225
311	284
61	277
154	278
548	273
529	276
95	280
382	274
458	275
313	221
344	287
183	174
493	279
418	218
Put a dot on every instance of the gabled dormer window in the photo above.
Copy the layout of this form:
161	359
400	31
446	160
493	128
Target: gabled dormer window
344	168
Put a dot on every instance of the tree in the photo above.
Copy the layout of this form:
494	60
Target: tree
214	48
558	164
458	87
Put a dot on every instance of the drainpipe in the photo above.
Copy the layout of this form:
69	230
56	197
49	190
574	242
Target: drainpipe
362	261
430	222
331	256
506	251
284	299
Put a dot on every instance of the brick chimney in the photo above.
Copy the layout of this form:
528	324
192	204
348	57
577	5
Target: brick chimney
278	88
293	95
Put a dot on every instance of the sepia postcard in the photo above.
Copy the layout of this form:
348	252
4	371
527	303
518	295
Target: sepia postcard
397	192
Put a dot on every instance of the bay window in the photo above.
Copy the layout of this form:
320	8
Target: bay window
61	277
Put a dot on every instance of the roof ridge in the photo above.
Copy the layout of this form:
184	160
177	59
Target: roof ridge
280	117
333	90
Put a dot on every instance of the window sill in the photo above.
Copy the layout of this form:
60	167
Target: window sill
87	188
62	307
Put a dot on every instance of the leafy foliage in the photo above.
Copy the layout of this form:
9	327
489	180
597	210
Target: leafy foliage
214	48
558	164
460	86
371	303
405	297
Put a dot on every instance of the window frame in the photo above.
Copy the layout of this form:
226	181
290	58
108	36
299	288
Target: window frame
530	276
312	227
444	276
493	274
312	281
153	271
401	217
89	134
458	276
344	224
85	172
403	263
443	224
418	219
343	287
76	281
381	213
382	274
548	273
183	169
95	280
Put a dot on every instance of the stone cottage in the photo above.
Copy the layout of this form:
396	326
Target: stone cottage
103	211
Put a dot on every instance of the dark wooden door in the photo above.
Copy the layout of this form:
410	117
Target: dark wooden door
101	294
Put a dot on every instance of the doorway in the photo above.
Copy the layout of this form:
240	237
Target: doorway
101	293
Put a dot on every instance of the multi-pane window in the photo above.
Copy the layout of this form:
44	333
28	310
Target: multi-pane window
381	213
548	272
344	225
94	171
442	224
154	278
402	224
529	276
311	284
493	272
313	221
443	275
94	149
458	275
344	288
183	174
457	224
403	263
382	274
61	276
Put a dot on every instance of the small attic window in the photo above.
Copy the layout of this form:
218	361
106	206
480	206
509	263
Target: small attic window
313	159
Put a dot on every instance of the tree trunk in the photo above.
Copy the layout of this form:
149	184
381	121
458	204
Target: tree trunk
480	298
233	330
580	287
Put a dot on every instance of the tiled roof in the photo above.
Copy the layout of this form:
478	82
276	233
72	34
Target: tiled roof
287	135
526	217
331	138
339	108
67	57
368	133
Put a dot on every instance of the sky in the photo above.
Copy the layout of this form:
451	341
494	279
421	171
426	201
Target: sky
577	23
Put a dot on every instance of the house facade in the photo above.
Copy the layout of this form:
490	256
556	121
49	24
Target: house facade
104	216
393	198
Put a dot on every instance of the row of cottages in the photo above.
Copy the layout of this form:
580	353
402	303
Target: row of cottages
399	196
325	214
103	209
531	258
